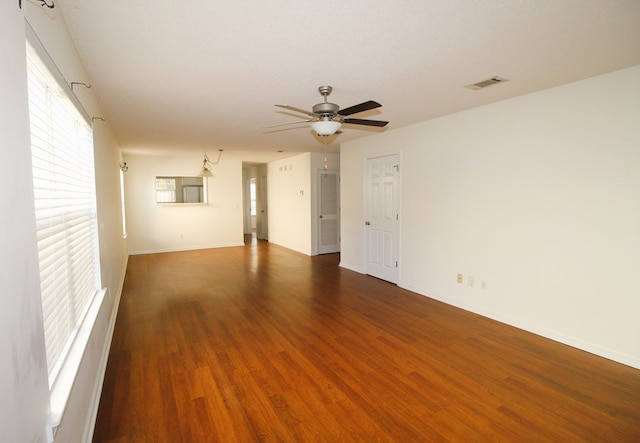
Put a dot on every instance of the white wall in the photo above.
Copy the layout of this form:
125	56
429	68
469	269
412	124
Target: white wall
292	200
289	194
23	371
162	228
537	196
24	396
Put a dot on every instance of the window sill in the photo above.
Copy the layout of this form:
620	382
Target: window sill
61	389
182	204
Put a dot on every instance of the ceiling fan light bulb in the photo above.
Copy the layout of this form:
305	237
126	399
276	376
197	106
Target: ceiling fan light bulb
324	127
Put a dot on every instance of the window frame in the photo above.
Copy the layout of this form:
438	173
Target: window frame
63	371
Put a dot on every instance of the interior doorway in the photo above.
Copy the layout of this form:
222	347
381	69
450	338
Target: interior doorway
255	207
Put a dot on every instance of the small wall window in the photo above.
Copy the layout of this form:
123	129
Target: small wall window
178	189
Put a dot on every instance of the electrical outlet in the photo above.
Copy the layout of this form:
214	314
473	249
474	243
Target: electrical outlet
459	278
471	282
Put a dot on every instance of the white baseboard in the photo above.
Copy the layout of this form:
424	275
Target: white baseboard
181	249
577	343
351	267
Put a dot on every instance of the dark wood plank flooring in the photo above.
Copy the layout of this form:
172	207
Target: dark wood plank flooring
259	343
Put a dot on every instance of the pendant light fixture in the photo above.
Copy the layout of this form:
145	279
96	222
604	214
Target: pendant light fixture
208	164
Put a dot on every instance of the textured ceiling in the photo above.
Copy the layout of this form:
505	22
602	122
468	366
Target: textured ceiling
206	74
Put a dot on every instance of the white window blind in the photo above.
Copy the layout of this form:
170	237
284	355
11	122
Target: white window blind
165	190
65	208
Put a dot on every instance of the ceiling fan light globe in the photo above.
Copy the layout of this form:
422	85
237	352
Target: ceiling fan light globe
324	127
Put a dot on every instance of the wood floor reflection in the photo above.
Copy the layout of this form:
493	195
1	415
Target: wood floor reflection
259	343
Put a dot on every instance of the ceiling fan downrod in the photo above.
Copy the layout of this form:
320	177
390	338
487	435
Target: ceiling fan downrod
326	109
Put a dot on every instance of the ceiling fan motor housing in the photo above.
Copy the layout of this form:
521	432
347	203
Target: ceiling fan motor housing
325	108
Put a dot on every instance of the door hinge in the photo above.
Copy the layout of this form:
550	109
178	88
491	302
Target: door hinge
397	217
396	263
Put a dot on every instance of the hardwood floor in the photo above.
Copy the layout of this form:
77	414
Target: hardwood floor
259	343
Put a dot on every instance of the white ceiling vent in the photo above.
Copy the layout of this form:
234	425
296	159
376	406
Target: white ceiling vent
483	84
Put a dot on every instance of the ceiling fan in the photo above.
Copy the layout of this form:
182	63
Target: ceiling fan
327	118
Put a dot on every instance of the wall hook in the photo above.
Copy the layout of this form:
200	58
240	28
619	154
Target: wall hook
43	3
80	83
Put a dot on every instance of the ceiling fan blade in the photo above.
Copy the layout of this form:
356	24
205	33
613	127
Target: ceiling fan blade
365	106
361	121
293	108
285	124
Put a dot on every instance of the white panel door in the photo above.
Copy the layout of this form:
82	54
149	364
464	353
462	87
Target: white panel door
328	211
382	217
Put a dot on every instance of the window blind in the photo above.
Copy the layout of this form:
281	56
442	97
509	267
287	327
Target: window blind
165	190
65	209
